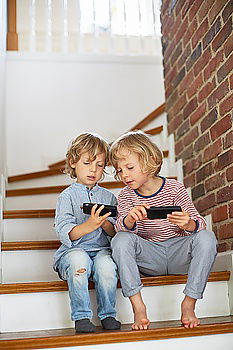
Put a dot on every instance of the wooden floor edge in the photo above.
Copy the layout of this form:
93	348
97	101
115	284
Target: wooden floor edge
115	337
61	286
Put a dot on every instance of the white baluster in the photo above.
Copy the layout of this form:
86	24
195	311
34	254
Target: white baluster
49	25
65	27
32	16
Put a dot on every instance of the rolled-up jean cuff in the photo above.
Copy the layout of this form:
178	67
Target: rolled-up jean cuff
132	292
193	295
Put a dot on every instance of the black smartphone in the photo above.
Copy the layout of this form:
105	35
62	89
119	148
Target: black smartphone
86	207
161	212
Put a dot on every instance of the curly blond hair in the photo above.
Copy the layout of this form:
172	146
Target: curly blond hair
89	143
150	156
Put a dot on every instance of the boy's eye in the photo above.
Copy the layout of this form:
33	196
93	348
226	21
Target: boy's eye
86	162
130	167
101	165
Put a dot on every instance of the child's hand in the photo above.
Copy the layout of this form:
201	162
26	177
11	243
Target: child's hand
95	220
182	220
136	213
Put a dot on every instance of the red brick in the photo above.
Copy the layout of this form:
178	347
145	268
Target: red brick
198	191
220	214
189	31
171	76
194	7
202	61
199	113
199	33
179	78
210	119
228	140
228	46
191	136
205	203
226	105
171	101
226	231
179	6
213	65
231	210
202	142
192	164
215	9
212	151
214	182
206	90
190	107
222	35
225	160
204	9
194	57
184	56
189	181
195	86
225	194
221	127
180	104
229	174
218	94
205	172
187	153
188	79
175	123
212	31
231	81
177	53
227	12
225	69
179	146
182	30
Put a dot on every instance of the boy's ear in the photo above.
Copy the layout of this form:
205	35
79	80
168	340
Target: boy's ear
72	164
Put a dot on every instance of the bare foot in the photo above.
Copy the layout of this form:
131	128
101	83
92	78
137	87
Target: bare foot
188	317
140	321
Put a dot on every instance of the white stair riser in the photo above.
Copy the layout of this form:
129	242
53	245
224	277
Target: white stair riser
36	265
28	266
28	229
51	310
55	180
39	201
213	342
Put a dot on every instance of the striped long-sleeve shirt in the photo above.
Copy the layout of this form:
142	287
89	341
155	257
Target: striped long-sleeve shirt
171	193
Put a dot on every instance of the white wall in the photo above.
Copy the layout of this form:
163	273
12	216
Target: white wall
50	99
2	82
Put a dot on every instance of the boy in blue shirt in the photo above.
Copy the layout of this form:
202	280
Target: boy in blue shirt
85	249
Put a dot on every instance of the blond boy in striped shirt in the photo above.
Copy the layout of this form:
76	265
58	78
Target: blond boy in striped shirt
178	244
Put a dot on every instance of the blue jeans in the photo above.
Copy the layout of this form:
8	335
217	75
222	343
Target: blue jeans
77	266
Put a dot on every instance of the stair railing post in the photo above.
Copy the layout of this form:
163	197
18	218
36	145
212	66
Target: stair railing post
12	35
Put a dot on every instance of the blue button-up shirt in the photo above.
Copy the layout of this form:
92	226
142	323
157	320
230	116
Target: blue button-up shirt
69	214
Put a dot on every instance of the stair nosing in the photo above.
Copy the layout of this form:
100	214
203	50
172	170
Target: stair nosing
59	286
162	330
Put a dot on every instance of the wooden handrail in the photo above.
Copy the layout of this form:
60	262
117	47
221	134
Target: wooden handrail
12	35
156	113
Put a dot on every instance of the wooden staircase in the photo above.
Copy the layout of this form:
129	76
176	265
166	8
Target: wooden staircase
52	294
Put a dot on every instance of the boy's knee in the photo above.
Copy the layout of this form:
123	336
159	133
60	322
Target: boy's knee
121	240
207	241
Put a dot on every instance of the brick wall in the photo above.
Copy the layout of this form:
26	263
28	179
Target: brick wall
198	72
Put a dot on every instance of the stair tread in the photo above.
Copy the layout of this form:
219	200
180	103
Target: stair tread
158	330
28	213
59	286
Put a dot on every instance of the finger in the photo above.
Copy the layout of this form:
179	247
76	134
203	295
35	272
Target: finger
104	217
93	209
98	211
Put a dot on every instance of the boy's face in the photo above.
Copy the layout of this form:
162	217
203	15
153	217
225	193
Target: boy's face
88	171
129	170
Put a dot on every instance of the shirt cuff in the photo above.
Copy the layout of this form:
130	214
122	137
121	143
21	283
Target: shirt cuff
196	228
